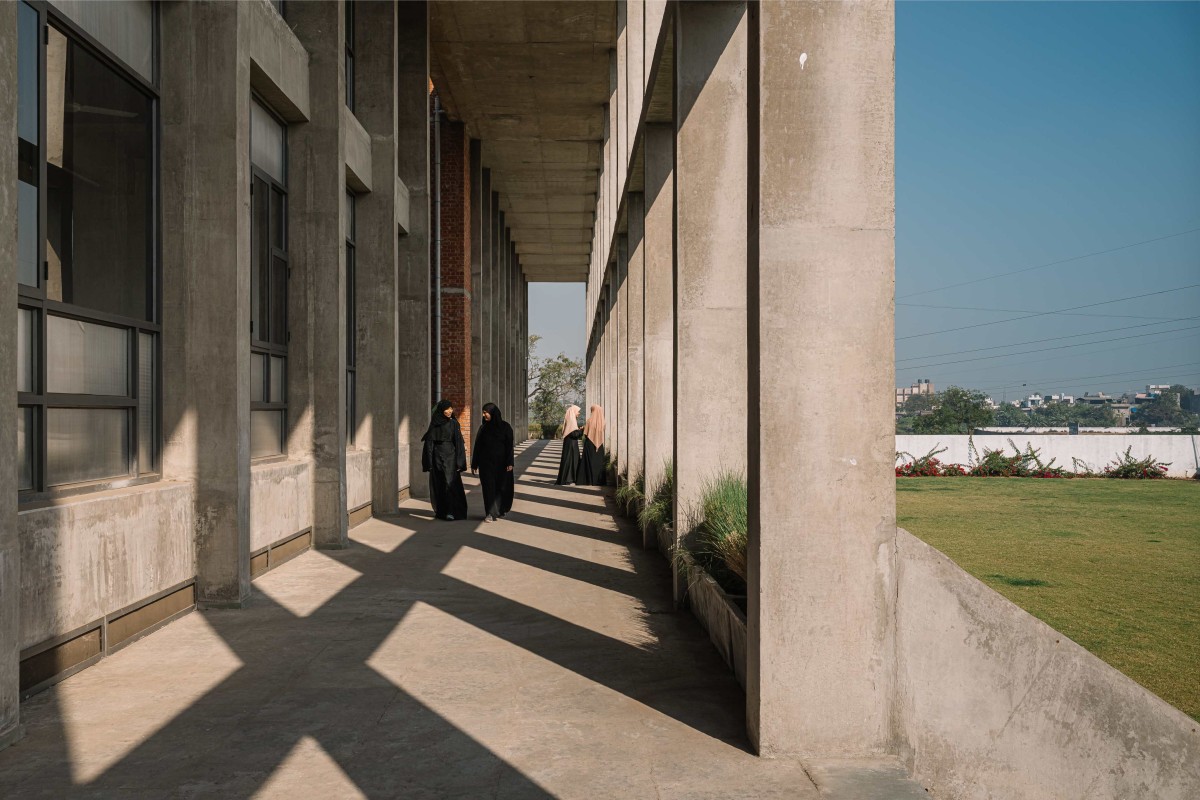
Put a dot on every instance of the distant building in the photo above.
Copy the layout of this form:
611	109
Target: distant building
922	386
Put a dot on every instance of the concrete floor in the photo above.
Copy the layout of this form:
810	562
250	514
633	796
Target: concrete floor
538	656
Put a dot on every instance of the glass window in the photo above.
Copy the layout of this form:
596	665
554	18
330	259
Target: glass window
99	183
86	444
278	391
348	222
86	358
28	143
25	354
25	440
258	378
266	433
267	143
125	27
147	402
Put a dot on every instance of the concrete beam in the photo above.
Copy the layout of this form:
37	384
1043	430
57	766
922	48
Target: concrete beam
377	254
10	554
710	246
206	284
279	63
822	516
317	178
358	153
413	274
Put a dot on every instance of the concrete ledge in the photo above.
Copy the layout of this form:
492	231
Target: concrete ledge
724	621
278	62
88	556
358	152
993	703
13	735
402	205
281	502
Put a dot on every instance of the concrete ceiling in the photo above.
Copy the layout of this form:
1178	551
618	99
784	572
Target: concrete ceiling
530	80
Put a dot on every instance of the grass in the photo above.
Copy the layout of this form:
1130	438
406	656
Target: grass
1114	565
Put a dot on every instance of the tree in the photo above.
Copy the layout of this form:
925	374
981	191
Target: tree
1167	410
958	411
1011	417
554	383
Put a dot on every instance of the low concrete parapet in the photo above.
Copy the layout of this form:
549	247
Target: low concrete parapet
720	616
993	703
281	502
1097	451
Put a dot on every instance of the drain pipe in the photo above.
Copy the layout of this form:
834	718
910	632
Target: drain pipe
437	247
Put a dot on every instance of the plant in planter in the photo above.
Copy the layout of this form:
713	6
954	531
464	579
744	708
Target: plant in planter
720	535
631	494
659	507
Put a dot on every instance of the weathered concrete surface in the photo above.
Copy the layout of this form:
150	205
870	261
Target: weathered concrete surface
317	156
10	558
533	657
635	281
205	180
1096	451
377	254
358	478
621	412
710	257
993	703
658	432
822	511
95	554
281	501
413	273
278	62
359	172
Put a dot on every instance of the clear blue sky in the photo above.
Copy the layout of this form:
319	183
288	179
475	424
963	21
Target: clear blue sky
1030	133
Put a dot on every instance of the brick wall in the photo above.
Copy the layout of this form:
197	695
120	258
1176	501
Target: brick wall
456	273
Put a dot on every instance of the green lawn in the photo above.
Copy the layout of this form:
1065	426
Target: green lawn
1113	564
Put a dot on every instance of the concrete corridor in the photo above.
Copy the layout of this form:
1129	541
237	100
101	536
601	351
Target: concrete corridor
537	656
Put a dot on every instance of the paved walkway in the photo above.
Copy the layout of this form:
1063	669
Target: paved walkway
533	657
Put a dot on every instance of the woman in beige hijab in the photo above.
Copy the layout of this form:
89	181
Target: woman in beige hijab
591	470
568	464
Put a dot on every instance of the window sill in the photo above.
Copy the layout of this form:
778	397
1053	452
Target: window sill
95	492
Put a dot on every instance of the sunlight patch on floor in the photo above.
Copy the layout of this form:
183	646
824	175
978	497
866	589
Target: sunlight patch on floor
112	708
312	580
308	771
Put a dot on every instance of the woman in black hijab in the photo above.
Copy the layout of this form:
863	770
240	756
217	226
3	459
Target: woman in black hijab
493	457
444	457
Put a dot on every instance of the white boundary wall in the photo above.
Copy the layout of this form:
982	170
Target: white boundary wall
1097	451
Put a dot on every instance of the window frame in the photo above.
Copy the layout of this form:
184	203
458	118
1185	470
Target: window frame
351	322
34	297
259	346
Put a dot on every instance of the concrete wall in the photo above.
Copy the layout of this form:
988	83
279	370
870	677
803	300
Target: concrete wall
281	501
992	703
358	478
95	554
1097	451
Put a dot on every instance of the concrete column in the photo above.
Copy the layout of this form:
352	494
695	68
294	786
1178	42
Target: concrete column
498	307
621	412
822	514
659	355
635	83
610	363
710	246
514	322
523	395
10	554
377	254
206	285
413	274
477	227
486	291
635	283
317	288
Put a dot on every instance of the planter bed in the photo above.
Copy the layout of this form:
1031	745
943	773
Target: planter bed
720	616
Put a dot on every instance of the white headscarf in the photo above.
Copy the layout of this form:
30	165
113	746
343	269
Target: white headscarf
571	421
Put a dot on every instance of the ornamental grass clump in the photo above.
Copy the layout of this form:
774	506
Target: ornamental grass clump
659	508
721	535
630	495
1126	466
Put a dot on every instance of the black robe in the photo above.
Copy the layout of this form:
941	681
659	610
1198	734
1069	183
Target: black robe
492	456
591	469
444	457
568	464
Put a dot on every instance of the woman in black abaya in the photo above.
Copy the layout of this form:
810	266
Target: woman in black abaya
493	457
444	457
568	464
591	469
